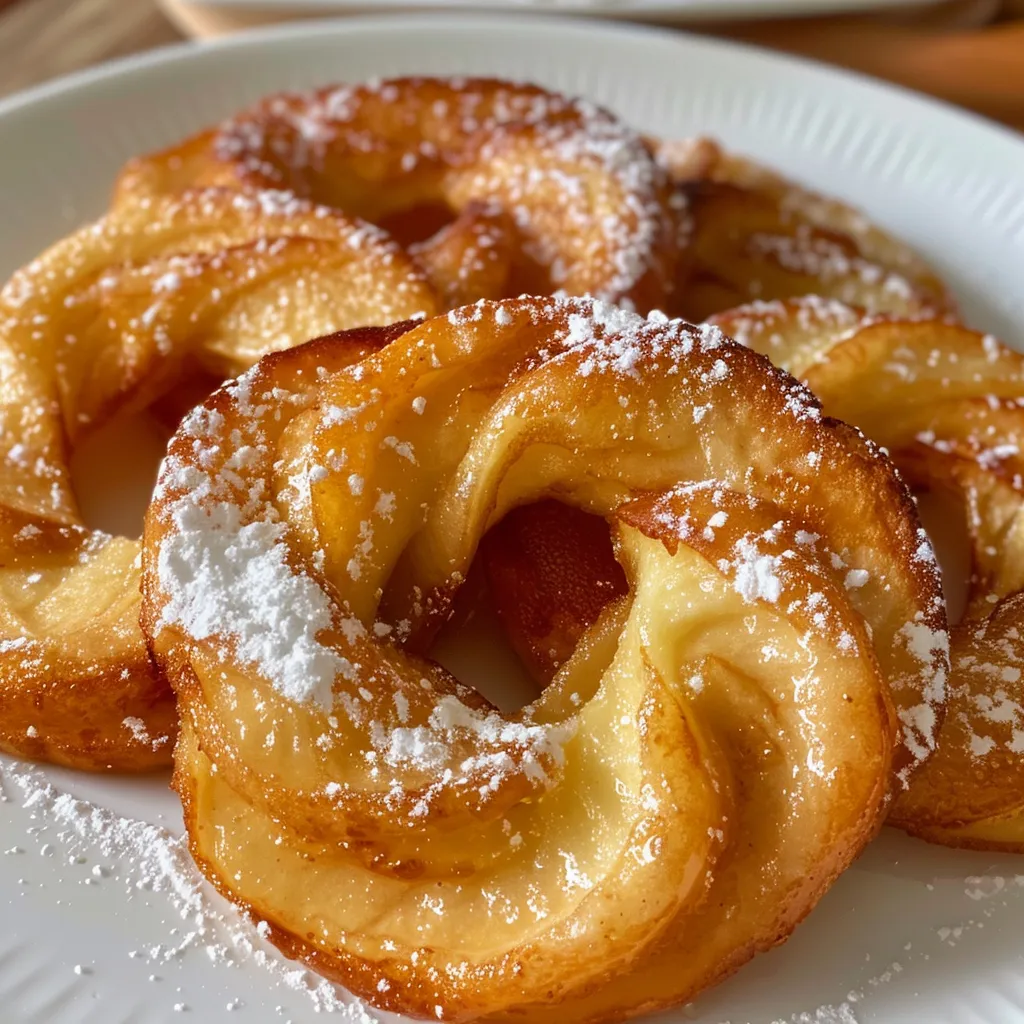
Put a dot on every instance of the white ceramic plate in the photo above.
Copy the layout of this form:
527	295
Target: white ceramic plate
911	933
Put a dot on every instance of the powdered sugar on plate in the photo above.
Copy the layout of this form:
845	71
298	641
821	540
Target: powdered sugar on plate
147	860
897	922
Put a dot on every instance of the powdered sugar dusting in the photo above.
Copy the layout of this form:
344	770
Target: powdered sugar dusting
811	252
225	571
928	645
137	727
756	573
224	577
479	129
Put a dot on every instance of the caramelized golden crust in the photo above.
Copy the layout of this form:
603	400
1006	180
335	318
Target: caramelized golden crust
546	193
757	236
106	322
720	738
948	403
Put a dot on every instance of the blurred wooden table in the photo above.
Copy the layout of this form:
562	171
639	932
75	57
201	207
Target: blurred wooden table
40	39
941	51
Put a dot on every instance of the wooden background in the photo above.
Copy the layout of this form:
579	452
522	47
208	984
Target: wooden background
40	39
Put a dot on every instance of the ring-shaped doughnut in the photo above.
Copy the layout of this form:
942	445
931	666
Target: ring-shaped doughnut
720	739
585	207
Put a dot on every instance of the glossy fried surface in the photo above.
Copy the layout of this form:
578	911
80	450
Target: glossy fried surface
106	322
757	236
713	753
948	403
541	192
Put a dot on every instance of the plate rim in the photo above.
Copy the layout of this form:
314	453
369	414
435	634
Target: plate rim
683	10
172	53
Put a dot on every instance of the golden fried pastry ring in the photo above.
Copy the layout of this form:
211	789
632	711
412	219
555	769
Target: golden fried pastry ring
757	236
103	323
548	193
948	403
720	739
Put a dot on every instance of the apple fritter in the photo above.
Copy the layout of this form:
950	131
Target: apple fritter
715	750
948	404
536	191
757	236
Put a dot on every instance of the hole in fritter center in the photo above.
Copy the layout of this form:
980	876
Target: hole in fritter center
478	243
114	468
541	577
545	572
476	649
113	471
416	223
